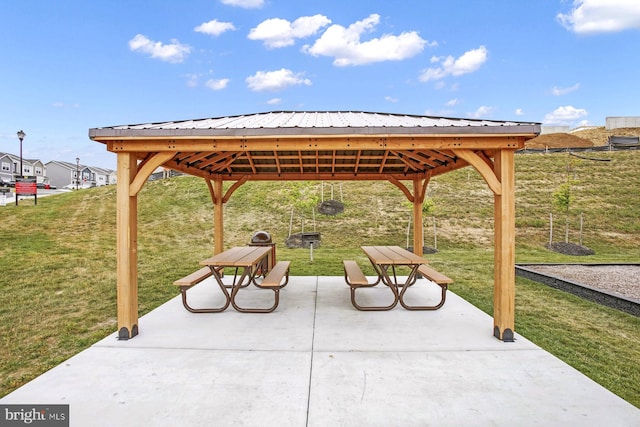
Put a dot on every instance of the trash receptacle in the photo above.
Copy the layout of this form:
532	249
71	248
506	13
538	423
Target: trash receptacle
262	238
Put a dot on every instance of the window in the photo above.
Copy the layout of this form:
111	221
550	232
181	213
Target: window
38	170
6	166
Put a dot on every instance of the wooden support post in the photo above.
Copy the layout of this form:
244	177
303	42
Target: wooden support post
418	199
218	217
504	251
127	248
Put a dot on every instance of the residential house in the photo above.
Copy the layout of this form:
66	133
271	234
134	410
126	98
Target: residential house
10	167
74	175
102	176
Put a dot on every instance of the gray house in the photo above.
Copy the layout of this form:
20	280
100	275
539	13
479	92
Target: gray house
10	167
72	175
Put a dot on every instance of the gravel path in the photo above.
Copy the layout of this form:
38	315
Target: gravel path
620	279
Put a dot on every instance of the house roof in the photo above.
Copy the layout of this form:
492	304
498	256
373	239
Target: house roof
73	166
316	145
25	161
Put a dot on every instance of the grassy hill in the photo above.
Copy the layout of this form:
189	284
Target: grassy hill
587	137
58	258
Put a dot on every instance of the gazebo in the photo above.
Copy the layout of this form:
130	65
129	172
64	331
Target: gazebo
406	150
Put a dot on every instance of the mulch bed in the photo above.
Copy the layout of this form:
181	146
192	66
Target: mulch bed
568	248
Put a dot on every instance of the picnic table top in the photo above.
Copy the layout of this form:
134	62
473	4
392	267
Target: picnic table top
240	256
394	255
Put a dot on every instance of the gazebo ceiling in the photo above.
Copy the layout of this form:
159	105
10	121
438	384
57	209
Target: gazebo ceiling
310	145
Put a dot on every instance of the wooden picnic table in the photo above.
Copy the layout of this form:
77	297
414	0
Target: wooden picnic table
251	259
386	259
249	263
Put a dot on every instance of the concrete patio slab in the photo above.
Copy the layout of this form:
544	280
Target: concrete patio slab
316	361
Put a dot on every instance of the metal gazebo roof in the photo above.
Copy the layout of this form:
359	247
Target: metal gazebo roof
316	144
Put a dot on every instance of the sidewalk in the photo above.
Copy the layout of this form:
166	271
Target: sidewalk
316	361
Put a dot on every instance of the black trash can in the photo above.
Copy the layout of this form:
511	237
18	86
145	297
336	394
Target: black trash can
262	238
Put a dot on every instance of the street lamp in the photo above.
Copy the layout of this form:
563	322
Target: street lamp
77	172
21	136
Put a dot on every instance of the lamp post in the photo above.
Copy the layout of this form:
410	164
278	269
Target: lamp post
77	172
21	136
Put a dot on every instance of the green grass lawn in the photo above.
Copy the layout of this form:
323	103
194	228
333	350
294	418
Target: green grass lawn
59	271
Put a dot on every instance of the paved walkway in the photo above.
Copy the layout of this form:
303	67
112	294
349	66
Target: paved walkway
318	362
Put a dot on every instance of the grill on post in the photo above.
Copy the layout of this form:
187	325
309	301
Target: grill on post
262	238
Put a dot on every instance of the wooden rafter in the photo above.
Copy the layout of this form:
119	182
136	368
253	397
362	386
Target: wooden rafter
217	161
333	161
408	159
277	161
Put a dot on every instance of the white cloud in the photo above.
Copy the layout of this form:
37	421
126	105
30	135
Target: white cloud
390	99
564	116
452	103
275	80
274	101
217	84
601	16
174	52
559	91
482	112
214	27
345	46
469	62
246	4
519	112
278	32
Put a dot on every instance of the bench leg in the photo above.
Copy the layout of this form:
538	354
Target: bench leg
183	291
276	297
424	307
276	301
375	307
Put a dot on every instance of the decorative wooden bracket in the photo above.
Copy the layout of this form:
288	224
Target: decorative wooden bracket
481	165
146	168
412	197
402	187
227	195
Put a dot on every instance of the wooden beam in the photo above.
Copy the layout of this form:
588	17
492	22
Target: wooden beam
412	161
127	247
324	176
418	198
315	142
218	217
481	166
217	162
504	251
146	168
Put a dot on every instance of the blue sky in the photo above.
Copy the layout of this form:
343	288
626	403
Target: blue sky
71	65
